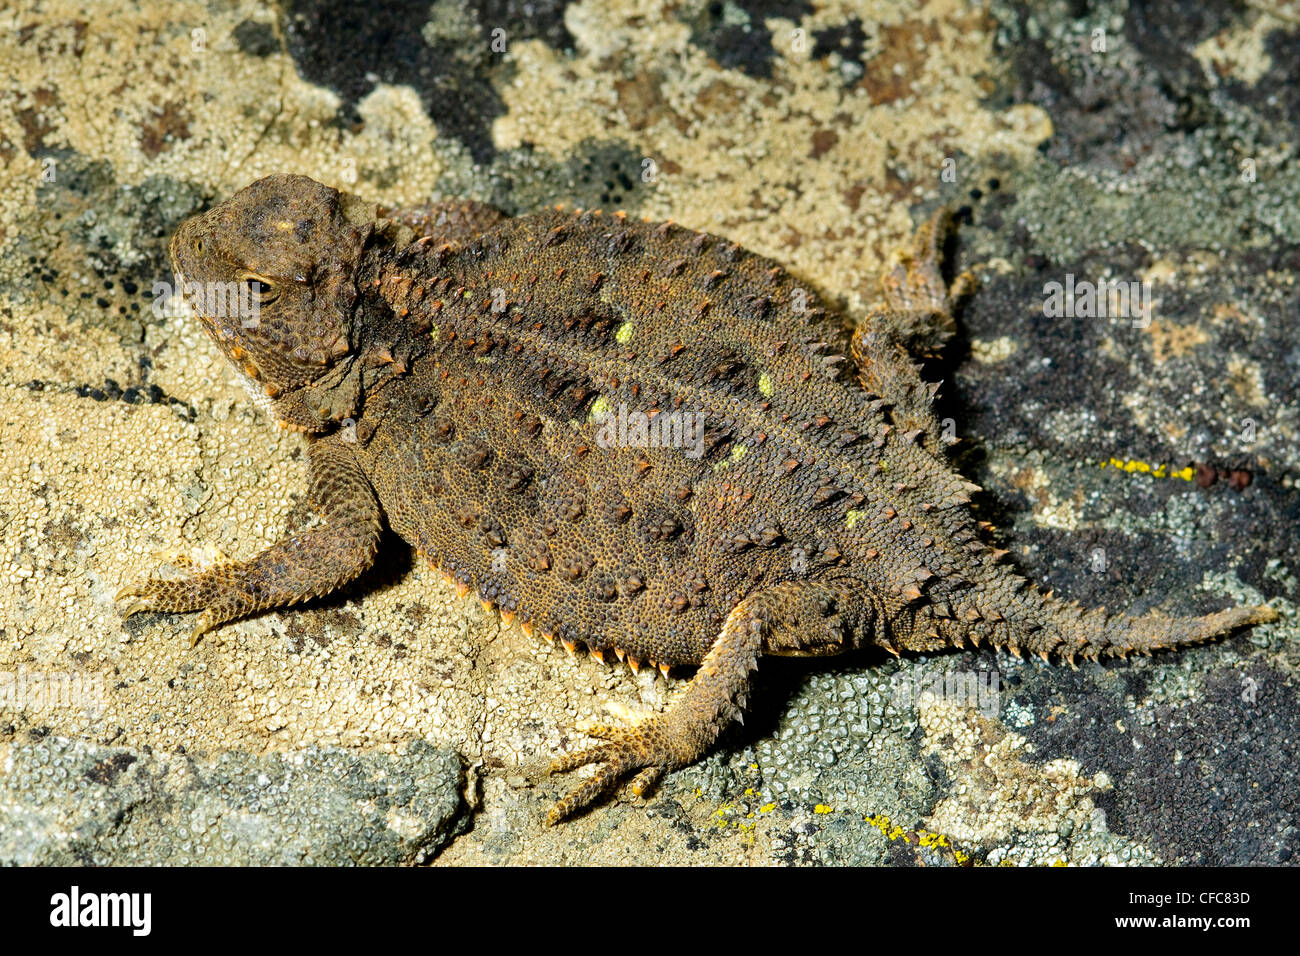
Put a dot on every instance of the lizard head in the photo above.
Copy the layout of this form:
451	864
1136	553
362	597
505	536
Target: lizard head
271	274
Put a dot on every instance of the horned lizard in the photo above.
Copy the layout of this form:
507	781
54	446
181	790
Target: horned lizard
641	440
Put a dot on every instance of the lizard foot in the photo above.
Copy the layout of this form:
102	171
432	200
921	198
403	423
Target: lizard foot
219	592
658	743
915	291
646	746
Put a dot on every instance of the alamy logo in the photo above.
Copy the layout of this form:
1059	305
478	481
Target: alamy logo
35	689
625	429
103	909
979	690
1103	299
210	300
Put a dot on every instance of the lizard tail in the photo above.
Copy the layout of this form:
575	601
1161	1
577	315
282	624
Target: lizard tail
1038	623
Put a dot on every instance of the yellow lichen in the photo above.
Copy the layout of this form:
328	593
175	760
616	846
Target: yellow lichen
926	838
1155	471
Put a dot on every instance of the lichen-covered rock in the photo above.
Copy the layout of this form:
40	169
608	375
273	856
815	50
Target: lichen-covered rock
69	802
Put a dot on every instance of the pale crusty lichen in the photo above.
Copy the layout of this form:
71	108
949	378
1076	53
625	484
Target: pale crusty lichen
1000	796
162	88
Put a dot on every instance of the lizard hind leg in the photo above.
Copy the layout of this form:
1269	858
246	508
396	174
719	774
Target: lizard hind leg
796	619
913	318
680	735
916	302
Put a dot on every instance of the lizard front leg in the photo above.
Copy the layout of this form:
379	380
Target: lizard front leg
306	565
796	619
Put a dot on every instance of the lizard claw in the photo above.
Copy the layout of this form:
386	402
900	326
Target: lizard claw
133	590
204	624
644	782
136	607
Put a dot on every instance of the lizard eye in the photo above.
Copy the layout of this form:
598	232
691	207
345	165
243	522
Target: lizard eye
262	290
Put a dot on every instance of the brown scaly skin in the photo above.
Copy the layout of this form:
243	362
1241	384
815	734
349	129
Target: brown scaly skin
452	366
